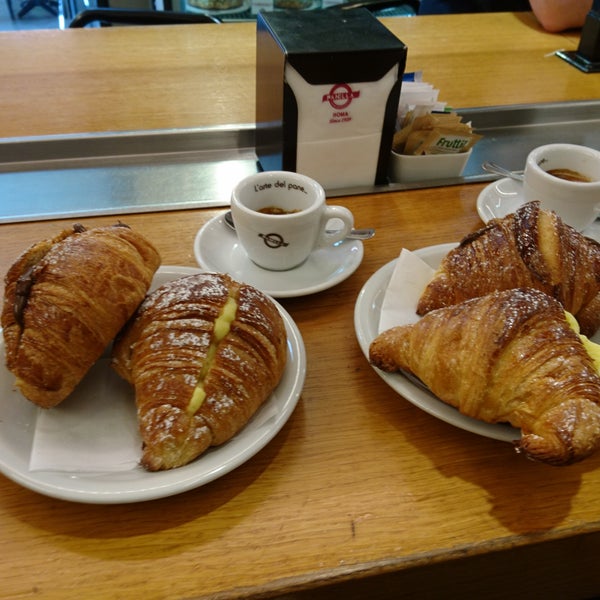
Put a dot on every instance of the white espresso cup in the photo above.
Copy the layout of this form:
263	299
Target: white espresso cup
280	217
565	178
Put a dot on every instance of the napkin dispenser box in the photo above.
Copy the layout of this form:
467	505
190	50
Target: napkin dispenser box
327	91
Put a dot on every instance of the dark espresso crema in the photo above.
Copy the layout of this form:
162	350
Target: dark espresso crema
569	175
275	210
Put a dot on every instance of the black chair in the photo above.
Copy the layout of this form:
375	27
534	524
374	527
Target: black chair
124	16
106	15
28	5
11	10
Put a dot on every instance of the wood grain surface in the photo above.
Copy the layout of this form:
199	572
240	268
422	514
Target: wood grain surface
361	495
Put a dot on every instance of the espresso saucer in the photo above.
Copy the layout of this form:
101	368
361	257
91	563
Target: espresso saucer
505	196
217	248
499	199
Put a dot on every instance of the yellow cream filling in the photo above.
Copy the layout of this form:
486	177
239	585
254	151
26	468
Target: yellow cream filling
592	348
221	328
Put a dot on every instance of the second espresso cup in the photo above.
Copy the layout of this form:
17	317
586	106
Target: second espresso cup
565	178
281	217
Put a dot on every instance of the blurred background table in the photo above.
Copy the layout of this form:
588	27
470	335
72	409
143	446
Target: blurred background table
361	495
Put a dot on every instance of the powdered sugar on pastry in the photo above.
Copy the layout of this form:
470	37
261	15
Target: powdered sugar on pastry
203	353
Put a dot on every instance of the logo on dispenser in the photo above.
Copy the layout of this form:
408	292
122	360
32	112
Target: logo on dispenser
340	96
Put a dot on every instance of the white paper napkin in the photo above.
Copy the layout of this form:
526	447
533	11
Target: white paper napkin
339	147
409	278
94	430
420	97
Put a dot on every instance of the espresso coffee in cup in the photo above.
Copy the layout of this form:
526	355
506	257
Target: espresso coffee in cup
276	210
565	178
569	175
281	217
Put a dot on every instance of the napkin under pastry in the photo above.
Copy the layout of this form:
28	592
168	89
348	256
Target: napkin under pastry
410	276
93	431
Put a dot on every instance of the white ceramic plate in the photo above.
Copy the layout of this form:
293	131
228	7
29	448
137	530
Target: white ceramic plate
366	322
505	196
217	248
17	425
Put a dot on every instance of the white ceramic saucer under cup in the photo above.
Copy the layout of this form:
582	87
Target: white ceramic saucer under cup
499	199
505	196
217	248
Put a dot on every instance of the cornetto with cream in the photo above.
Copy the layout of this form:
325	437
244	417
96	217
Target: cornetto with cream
503	333
203	353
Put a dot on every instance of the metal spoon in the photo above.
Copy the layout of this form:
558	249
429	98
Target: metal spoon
492	167
355	234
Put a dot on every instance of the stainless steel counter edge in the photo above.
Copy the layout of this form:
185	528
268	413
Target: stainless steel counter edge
142	171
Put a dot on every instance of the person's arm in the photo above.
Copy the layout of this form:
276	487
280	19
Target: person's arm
558	15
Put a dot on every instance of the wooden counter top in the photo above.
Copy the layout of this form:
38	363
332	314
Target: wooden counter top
115	79
361	495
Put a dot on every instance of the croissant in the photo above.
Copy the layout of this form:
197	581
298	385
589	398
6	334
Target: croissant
65	299
510	356
529	248
203	353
